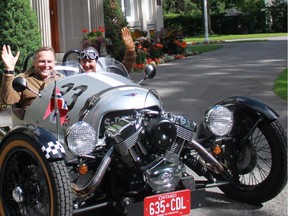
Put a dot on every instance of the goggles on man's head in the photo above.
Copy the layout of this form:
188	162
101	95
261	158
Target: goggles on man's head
88	54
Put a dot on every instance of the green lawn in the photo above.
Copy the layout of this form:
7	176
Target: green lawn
233	37
203	48
280	85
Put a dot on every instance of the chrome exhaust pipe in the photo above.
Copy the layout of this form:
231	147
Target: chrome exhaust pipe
209	158
96	179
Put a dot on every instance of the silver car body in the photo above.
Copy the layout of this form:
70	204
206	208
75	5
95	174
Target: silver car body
114	92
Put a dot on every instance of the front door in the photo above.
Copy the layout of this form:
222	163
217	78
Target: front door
54	25
73	17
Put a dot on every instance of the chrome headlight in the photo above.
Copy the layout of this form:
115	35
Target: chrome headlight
81	138
219	120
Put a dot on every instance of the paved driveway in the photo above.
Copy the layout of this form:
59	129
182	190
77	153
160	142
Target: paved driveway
191	85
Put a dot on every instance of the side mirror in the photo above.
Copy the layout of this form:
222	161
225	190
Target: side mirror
19	84
149	71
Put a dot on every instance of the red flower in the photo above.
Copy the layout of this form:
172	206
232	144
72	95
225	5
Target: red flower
177	43
149	60
138	66
101	29
159	45
183	44
157	60
178	56
93	38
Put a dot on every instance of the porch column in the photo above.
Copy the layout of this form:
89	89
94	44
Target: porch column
158	17
97	13
43	14
143	19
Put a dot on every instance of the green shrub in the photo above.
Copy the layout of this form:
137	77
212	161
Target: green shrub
19	28
114	21
186	24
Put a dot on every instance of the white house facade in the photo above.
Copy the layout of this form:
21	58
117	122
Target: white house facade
61	22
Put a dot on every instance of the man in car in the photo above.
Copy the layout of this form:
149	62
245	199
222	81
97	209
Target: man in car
40	75
89	56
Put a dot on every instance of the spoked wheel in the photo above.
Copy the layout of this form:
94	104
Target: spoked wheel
260	171
29	184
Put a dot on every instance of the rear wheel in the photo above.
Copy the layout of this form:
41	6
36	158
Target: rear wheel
260	168
29	183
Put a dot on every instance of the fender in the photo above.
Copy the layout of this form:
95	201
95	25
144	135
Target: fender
240	102
50	146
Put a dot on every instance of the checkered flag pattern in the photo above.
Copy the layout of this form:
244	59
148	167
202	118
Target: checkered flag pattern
53	149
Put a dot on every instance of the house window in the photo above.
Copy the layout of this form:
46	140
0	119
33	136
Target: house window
149	9
126	6
129	8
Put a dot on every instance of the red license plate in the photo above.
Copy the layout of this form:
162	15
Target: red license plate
173	203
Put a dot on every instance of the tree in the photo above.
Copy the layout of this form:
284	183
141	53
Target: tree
277	12
253	11
190	7
186	7
114	21
19	28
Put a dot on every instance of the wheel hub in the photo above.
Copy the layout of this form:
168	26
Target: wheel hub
247	160
18	194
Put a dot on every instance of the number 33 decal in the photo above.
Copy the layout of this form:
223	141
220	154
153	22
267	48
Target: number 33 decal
78	91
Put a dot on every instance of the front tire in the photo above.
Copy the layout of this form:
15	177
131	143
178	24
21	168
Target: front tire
261	166
29	183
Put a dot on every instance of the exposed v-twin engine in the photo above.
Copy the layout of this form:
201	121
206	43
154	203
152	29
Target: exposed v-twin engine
156	139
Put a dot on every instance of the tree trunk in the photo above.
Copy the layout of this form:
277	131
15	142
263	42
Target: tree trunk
210	30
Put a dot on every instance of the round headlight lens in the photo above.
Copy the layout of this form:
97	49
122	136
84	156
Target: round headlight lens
81	138
219	120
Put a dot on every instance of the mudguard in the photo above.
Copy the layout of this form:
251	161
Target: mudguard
240	102
50	146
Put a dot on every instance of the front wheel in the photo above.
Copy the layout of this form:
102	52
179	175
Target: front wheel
260	166
29	183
